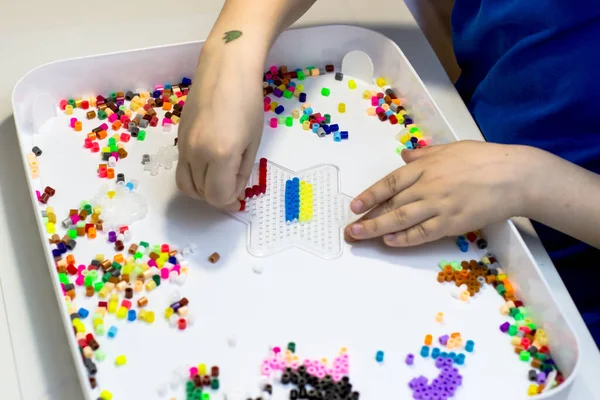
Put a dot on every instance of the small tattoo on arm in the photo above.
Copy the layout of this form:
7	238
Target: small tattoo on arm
231	35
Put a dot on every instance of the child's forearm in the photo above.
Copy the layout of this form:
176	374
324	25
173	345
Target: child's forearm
259	21
563	196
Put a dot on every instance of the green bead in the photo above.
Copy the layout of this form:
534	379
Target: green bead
524	356
82	204
519	317
291	347
100	355
287	94
138	255
123	108
300	75
458	268
98	286
114	148
112	141
113	95
325	92
399	152
156	279
327	118
106	277
303	118
454	264
63	278
198	395
214	384
533	327
281	120
513	311
93	274
88	281
88	208
442	263
414	129
100	330
72	102
520	323
541	356
156	248
80	224
116	265
289	121
144	244
72	233
205	396
512	330
501	289
189	386
45	220
141	135
101	115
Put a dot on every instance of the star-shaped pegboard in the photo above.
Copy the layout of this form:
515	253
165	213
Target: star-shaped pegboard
268	231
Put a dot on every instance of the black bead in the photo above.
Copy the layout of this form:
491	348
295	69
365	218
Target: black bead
37	151
71	244
482	244
532	375
285	378
69	286
74	316
105	156
302	370
355	396
293	394
121	177
294	378
494	271
303	394
302	381
339	76
268	389
533	350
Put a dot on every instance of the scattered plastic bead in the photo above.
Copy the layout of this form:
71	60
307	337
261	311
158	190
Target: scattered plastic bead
112	331
325	92
410	359
379	356
425	351
121	360
469	346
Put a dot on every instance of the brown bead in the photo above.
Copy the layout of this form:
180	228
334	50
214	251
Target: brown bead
73	211
387	100
449	277
142	302
106	264
491	279
283	69
114	279
119	246
197	380
99	225
44	198
89	291
65	239
91	114
206	380
55	239
122	153
153	255
214	257
93	344
441	277
61	269
128	292
519	349
83	214
214	372
49	190
71	294
81	231
133	248
173	253
184	302
168	114
125	278
536	363
93	382
473	264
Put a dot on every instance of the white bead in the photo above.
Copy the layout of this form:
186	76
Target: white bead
162	389
258	269
121	237
191	320
232	341
175	295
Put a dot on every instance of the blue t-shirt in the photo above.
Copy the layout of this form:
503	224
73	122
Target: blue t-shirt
530	76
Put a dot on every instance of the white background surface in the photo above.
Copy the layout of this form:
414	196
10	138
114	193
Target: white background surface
32	343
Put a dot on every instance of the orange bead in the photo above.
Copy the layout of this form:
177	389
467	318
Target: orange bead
102	135
110	173
117	125
455	335
91	233
428	340
92	136
119	258
70	259
166	106
78	126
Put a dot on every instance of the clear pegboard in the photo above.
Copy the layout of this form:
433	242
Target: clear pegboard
268	231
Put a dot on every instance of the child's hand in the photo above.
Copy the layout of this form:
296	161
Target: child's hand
443	190
221	127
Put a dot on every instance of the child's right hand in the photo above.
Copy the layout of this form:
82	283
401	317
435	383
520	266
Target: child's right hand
221	125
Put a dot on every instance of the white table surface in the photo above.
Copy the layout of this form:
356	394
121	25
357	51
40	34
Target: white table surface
35	363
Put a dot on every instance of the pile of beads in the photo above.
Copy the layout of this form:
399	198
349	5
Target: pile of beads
473	237
177	314
443	387
32	162
299	199
165	157
278	82
200	381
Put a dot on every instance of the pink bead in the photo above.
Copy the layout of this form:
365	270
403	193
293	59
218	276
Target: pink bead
113	117
321	374
75	218
159	87
126	303
166	121
267	100
307	362
193	372
321	119
104	127
79	280
267	77
181	103
37	193
152	263
265	370
379	110
291	88
164	273
273	70
374	101
311	370
294	364
266	107
176	268
336	377
273	123
87	143
72	122
115	155
95	147
273	364
81	268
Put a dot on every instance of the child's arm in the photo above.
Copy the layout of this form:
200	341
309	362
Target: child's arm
222	122
452	189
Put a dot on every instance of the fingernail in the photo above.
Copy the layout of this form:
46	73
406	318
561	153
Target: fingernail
390	237
357	206
356	229
347	236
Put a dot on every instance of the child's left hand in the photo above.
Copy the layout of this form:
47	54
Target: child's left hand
442	191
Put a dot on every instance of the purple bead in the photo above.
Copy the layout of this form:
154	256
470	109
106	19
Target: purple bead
417	396
541	378
444	339
410	359
277	92
504	327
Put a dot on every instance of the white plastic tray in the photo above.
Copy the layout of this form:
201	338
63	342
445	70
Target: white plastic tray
367	299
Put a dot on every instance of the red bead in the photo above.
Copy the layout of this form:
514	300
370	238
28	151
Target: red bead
87	143
125	137
71	269
329	68
263	162
471	237
95	147
525	342
380	95
544	349
242	205
125	119
102	304
154	121
248	193
421	142
181	324
123	229
518	304
63	104
255	190
126	303
100	100
85	104
164	248
82	343
89	337
266	107
393	120
262	189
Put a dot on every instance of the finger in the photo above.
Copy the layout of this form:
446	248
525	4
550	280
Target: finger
424	232
220	183
246	168
184	180
395	221
387	187
412	155
407	196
